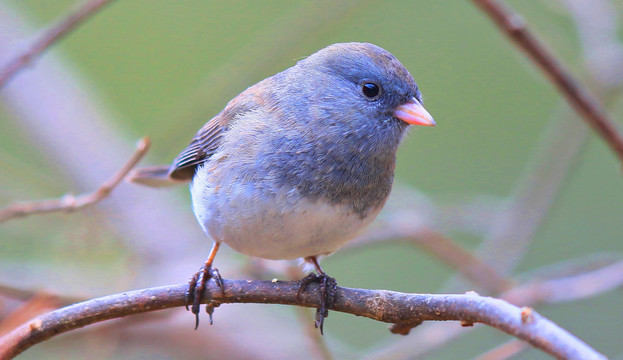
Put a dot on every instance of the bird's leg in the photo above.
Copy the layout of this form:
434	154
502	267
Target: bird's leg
327	289
197	284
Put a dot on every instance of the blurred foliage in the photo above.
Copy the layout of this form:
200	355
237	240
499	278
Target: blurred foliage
163	68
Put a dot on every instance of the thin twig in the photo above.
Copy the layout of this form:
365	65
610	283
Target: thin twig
70	202
49	37
403	310
587	106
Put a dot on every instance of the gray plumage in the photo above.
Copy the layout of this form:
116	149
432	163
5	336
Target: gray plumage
301	162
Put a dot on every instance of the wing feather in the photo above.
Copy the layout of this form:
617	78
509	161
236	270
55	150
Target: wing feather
209	137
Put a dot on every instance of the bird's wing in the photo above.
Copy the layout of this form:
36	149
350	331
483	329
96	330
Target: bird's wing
209	137
203	145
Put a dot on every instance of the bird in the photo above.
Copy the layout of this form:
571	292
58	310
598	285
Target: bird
300	163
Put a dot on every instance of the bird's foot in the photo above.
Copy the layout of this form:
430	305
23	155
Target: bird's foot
327	290
196	288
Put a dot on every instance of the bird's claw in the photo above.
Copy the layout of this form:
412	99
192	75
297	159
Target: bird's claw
327	290
196	288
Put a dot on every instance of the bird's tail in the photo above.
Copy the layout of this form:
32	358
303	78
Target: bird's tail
155	176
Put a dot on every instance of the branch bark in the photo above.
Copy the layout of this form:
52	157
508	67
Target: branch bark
403	310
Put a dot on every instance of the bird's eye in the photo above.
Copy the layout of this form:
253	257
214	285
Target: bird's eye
370	90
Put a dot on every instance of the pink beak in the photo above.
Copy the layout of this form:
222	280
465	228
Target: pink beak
413	113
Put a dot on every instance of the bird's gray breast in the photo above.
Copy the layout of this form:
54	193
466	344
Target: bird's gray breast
353	169
278	194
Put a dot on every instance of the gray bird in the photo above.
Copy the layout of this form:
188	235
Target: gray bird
300	163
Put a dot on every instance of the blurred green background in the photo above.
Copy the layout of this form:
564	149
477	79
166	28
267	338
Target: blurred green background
163	68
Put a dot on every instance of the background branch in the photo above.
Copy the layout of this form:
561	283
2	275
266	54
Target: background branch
405	311
441	247
587	106
72	203
49	37
568	288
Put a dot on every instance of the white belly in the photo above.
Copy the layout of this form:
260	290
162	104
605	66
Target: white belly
282	226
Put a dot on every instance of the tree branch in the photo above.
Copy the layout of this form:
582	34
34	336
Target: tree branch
587	106
49	37
405	311
70	202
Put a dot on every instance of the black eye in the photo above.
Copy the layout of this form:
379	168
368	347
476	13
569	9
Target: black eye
370	90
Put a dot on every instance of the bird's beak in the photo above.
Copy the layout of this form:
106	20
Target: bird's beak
413	113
